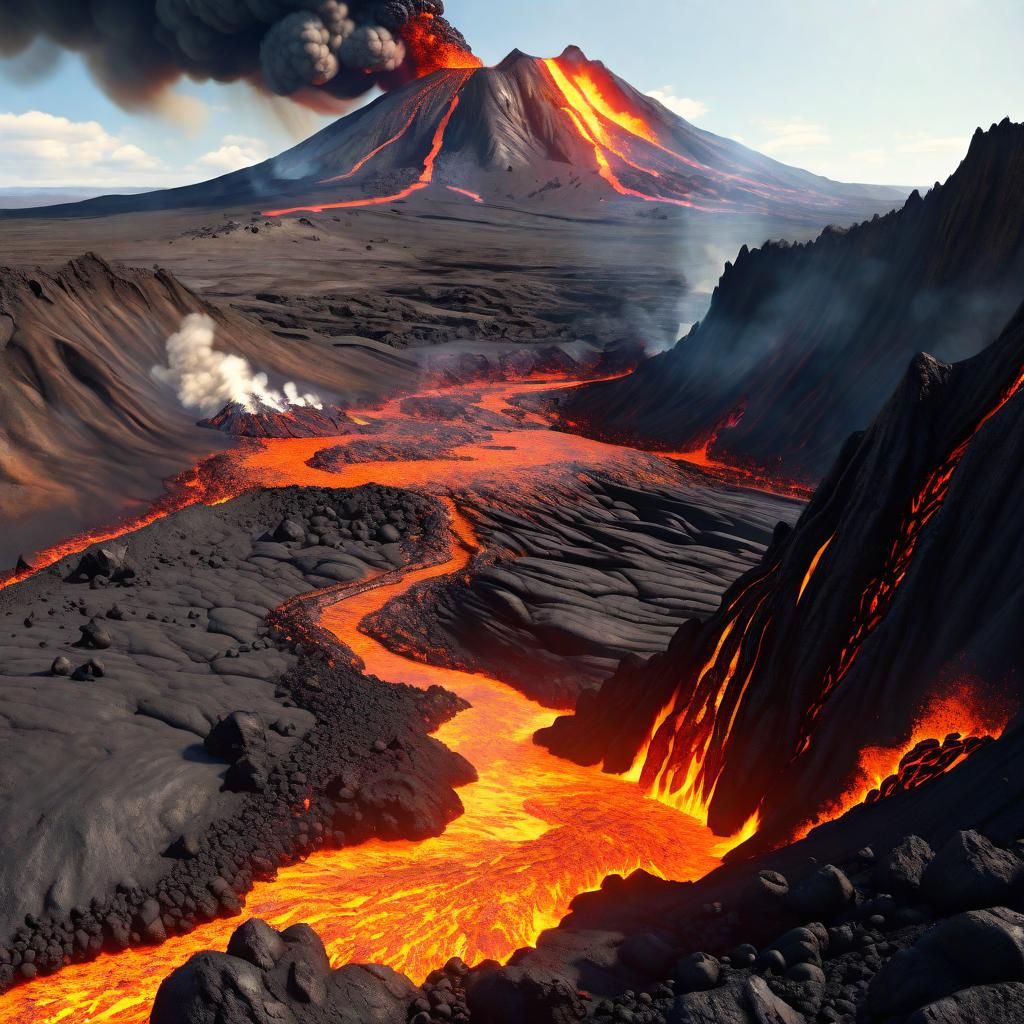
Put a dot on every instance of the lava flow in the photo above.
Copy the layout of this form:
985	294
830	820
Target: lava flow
426	175
949	730
684	755
536	830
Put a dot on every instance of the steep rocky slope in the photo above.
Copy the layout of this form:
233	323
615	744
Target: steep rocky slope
800	341
886	617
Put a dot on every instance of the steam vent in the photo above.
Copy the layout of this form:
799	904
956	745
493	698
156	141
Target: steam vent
514	556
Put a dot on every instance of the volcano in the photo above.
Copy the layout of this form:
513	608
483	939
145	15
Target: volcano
524	131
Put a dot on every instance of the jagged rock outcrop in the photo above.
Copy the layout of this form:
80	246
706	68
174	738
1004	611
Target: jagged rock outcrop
801	340
889	615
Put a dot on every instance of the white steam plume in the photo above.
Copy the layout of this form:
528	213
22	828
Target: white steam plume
207	380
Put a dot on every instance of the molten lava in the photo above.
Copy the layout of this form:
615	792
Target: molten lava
429	51
963	716
426	175
536	830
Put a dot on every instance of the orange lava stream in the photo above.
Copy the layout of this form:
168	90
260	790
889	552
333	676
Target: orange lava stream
960	710
424	95
590	127
880	593
536	830
465	192
596	107
425	179
752	478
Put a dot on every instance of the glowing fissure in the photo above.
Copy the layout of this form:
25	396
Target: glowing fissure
424	181
536	830
685	779
878	596
813	567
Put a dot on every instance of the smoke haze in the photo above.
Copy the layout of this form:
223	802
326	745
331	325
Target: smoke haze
315	51
206	380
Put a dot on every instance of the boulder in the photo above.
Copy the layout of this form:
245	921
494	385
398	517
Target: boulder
824	894
752	1002
240	734
268	977
95	636
901	872
697	973
110	562
290	531
991	1004
970	872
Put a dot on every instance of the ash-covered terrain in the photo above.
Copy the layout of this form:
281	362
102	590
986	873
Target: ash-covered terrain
166	728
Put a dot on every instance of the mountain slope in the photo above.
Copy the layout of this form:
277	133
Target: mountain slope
520	131
801	340
887	617
84	428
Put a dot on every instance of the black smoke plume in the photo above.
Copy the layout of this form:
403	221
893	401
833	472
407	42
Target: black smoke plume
312	50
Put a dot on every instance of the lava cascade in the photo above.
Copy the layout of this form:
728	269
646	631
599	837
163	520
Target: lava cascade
684	755
499	875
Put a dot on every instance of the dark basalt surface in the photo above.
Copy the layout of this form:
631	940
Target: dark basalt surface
167	708
800	341
942	621
582	577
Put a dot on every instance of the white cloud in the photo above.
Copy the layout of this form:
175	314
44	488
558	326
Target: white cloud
41	149
685	107
235	153
793	135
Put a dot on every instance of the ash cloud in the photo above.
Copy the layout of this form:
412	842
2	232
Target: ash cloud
315	51
206	380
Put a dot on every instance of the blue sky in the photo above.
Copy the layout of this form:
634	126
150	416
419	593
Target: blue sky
860	90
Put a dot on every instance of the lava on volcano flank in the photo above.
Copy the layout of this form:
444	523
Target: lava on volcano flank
481	130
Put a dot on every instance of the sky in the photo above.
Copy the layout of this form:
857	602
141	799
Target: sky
883	91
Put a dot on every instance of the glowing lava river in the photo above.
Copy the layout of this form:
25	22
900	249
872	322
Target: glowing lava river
536	830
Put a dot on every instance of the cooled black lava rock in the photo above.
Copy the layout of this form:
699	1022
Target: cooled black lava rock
110	562
270	977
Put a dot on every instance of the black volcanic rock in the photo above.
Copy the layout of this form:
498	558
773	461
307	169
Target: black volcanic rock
892	603
270	977
801	340
264	421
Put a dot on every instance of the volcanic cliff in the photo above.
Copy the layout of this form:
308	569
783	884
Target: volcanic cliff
886	617
800	340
